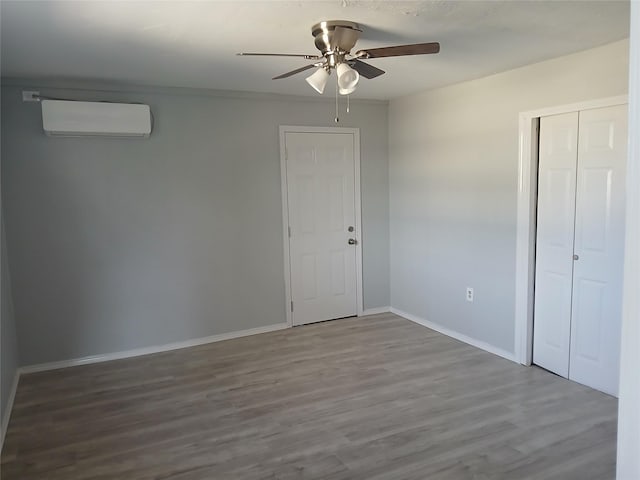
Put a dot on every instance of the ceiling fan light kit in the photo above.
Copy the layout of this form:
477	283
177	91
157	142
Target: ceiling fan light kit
347	77
335	39
318	79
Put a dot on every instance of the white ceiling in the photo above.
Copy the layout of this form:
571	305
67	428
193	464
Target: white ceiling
192	44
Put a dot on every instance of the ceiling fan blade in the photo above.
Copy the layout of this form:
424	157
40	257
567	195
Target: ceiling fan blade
308	57
366	70
293	72
400	50
345	38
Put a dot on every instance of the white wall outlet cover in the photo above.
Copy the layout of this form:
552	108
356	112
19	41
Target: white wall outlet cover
469	294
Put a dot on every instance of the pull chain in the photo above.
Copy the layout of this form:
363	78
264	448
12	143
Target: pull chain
337	119
348	97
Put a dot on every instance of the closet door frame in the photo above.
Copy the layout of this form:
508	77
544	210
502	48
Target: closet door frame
529	124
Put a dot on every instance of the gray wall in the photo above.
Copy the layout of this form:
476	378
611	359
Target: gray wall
117	244
8	340
453	159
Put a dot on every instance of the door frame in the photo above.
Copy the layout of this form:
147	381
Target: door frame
529	122
284	129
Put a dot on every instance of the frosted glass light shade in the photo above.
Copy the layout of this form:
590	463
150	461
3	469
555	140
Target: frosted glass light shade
318	79
346	91
347	77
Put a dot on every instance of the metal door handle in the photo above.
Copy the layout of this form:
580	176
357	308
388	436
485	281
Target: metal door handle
352	241
576	257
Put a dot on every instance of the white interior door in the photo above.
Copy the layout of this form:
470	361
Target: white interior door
321	205
599	248
554	243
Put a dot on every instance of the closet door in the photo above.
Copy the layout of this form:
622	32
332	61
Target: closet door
554	243
599	248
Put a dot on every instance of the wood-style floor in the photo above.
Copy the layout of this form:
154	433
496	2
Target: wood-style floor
356	399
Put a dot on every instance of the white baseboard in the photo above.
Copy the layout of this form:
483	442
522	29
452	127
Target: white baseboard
6	415
457	335
375	311
41	367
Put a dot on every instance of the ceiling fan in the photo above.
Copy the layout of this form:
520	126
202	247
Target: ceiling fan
335	39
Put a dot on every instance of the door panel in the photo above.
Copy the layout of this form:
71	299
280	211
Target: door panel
588	313
554	243
597	202
321	204
599	245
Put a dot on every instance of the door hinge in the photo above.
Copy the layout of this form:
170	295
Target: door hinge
292	306
289	228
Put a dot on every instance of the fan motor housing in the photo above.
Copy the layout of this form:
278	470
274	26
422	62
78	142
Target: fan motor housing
323	33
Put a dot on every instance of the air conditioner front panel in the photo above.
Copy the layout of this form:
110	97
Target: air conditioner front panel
69	118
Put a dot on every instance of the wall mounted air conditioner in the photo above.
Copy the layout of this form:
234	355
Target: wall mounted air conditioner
80	119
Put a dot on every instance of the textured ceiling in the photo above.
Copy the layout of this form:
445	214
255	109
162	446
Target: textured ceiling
192	44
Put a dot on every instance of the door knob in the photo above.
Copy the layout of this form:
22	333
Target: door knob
576	257
352	241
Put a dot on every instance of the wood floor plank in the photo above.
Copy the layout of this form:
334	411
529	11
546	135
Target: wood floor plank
357	399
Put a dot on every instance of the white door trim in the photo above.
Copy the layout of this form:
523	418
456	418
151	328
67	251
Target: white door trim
628	464
284	129
526	219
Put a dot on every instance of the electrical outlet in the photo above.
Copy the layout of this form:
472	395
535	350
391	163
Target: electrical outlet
469	294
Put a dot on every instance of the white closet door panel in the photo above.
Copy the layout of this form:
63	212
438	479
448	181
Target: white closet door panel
321	203
599	245
554	243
